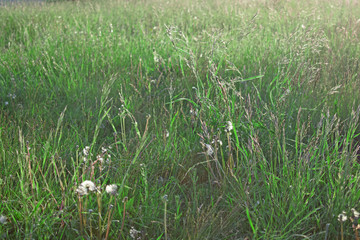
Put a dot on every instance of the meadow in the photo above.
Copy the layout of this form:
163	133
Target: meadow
161	119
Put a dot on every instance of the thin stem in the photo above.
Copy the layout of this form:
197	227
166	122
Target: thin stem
80	215
165	226
91	230
230	160
30	175
123	220
342	231
98	195
109	219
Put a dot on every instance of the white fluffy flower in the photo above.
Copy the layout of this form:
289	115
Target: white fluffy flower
111	189
229	126
3	219
342	217
165	198
89	185
85	187
356	213
82	190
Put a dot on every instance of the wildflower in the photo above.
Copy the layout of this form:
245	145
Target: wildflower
85	187
165	198
217	141
134	233
156	58
194	113
89	185
342	217
100	159
111	189
3	219
86	151
356	213
229	126
108	159
82	190
103	150
13	96
6	103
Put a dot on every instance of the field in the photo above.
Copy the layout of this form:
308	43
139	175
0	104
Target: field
169	120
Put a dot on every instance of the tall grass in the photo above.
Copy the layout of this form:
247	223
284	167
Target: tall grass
215	119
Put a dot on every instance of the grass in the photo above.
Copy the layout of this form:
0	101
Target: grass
215	119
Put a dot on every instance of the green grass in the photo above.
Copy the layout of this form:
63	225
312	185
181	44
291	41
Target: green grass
156	83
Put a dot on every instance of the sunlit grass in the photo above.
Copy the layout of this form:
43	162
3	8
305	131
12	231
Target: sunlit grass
214	119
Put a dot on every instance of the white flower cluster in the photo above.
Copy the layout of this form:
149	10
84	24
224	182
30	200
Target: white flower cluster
104	157
86	153
88	186
12	96
229	127
134	234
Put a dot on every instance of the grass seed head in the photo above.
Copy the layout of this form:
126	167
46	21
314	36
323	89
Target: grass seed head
209	149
